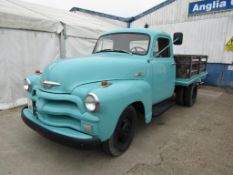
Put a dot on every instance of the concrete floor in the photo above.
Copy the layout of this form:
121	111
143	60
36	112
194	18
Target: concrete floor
183	141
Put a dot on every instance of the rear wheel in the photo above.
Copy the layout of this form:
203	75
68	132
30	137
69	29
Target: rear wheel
179	95
123	134
190	95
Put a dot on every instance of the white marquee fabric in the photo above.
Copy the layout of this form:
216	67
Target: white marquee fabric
32	36
17	17
82	26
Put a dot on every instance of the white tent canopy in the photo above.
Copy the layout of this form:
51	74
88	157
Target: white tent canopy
16	17
21	15
31	36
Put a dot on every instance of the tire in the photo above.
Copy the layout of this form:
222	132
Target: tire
190	95
123	134
180	95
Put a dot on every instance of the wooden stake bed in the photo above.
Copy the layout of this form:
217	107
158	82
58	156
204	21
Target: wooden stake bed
188	66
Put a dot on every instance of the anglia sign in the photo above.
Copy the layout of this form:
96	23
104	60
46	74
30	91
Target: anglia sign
207	6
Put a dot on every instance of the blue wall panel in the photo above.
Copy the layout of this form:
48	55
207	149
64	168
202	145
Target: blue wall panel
219	75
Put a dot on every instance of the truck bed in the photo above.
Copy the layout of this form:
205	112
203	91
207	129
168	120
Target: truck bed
190	68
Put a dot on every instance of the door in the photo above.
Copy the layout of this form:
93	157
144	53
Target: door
163	70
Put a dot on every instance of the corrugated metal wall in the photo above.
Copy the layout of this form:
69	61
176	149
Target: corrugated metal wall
206	37
176	12
203	34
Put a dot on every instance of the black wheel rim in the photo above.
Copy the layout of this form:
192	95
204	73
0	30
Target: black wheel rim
123	135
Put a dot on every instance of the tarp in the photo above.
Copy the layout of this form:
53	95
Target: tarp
22	52
76	25
17	17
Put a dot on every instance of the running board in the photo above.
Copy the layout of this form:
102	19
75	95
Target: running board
161	107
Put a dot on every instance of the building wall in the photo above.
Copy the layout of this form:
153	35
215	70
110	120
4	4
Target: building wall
200	37
220	75
204	34
176	12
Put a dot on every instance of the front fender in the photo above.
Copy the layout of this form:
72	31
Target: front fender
115	98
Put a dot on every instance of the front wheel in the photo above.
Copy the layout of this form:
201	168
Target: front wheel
123	134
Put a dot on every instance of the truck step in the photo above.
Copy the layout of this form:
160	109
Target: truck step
161	107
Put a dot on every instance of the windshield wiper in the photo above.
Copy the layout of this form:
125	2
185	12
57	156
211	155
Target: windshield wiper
114	50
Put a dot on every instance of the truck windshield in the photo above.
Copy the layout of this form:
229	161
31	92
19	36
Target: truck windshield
129	43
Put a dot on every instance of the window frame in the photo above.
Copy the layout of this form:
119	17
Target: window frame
117	33
156	41
104	43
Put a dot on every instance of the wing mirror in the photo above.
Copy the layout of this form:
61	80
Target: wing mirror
178	38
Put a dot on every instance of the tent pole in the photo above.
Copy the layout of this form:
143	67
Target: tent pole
62	38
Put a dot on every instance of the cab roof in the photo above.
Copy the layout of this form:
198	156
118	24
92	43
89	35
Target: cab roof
150	32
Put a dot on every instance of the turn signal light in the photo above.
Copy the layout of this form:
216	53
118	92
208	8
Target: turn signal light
104	83
38	72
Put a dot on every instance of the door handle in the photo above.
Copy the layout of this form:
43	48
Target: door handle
173	64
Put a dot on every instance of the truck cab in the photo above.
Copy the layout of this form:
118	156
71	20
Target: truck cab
98	98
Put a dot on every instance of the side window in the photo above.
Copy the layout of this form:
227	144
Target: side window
162	50
105	44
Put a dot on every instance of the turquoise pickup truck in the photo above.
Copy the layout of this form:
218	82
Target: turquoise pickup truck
131	73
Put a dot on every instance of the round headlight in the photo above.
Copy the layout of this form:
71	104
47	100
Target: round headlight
92	102
27	84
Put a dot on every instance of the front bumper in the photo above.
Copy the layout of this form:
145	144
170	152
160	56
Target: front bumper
62	135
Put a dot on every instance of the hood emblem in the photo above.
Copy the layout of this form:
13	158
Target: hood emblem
139	74
48	84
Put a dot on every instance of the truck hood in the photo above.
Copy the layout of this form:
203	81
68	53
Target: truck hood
75	72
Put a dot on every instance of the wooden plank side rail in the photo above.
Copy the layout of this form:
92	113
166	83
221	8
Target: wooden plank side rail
190	65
